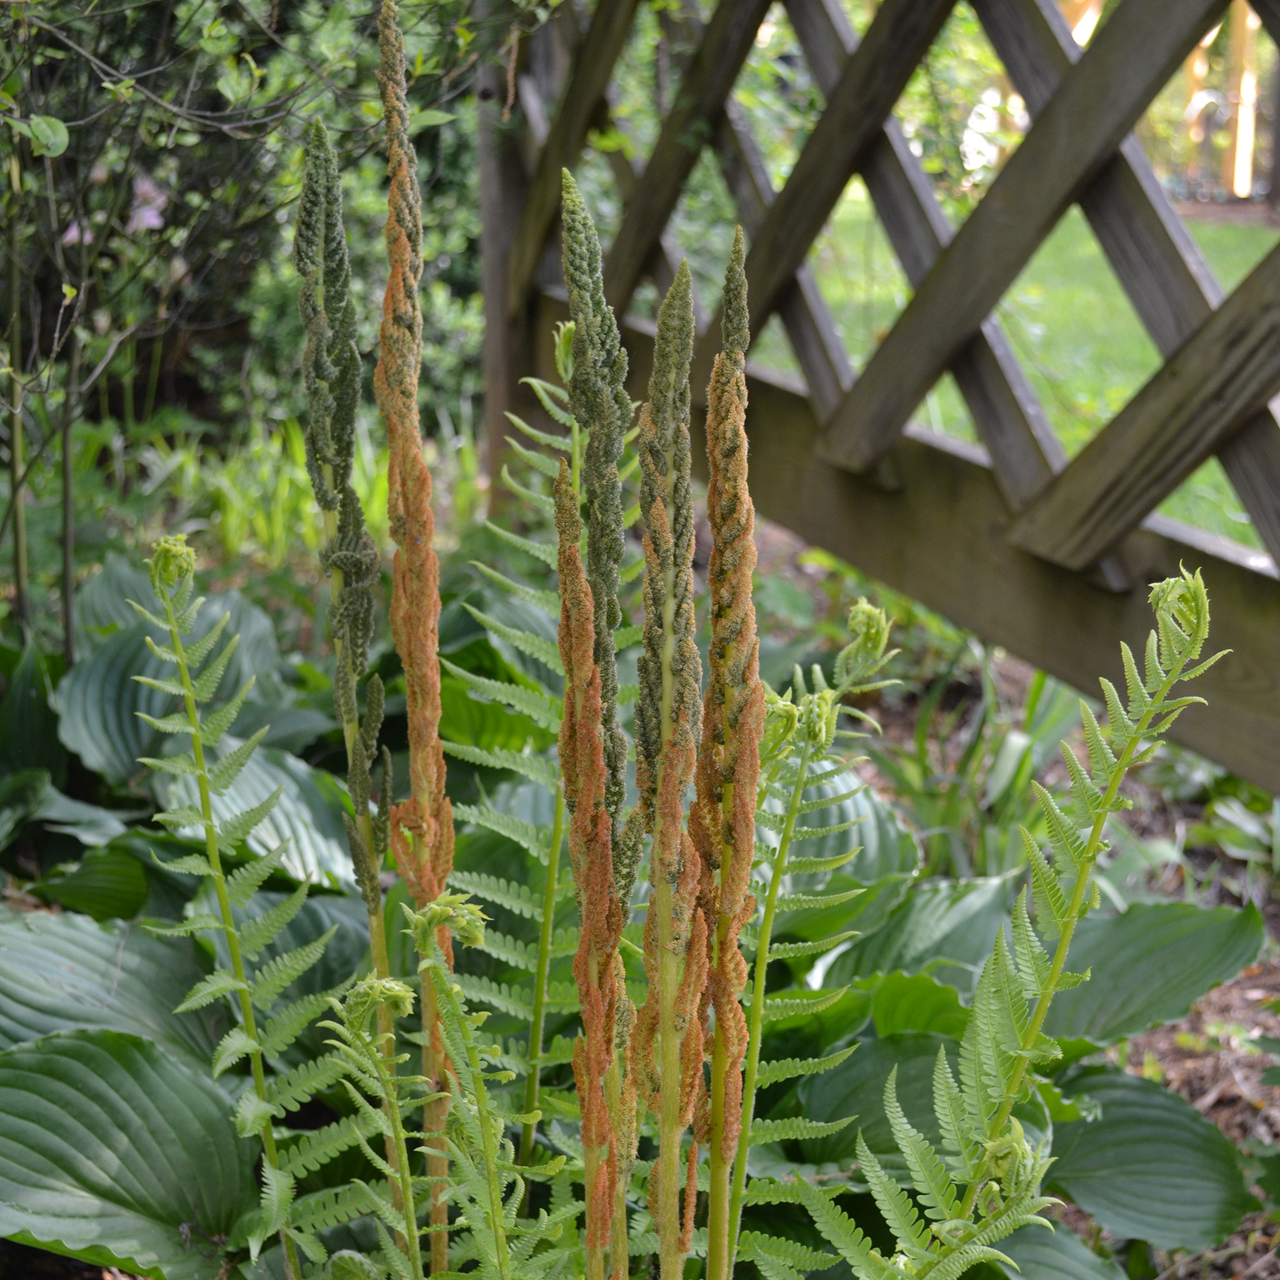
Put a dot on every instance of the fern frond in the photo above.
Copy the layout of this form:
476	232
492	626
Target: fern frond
538	647
290	1091
546	552
797	950
793	1128
260	932
244	883
221	982
278	973
545	600
206	684
502	893
529	837
288	1024
815	901
789	1068
535	768
541	708
894	1204
777	1007
216	723
317	1147
840	1231
233	830
928	1173
228	768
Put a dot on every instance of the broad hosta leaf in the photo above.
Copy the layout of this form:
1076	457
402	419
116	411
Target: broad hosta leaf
1150	965
99	699
107	884
856	1088
917	1003
943	921
89	823
59	972
1151	1167
20	797
28	724
1040	1254
102	603
308	814
118	1154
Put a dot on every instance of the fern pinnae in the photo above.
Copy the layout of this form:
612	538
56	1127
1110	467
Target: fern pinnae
172	571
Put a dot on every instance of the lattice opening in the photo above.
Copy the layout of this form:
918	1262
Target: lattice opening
776	91
1077	335
960	113
1208	501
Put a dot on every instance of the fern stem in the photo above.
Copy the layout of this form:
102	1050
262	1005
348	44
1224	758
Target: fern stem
759	977
532	1082
391	1108
270	1154
1083	880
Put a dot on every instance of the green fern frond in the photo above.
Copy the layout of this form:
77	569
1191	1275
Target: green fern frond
502	893
545	600
278	973
790	1068
545	651
259	932
531	838
540	707
546	552
789	1006
794	1128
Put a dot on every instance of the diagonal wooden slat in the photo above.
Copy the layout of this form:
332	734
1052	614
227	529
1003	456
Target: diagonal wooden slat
584	87
1099	100
1005	409
704	87
1158	263
1215	381
871	81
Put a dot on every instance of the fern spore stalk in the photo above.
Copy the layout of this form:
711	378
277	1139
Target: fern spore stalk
722	822
172	568
668	715
422	827
600	407
582	765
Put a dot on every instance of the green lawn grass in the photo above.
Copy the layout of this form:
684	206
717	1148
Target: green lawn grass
1069	321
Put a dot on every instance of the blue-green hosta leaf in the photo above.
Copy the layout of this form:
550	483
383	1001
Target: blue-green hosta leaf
1150	965
308	814
856	1088
1054	1255
28	723
102	601
107	884
916	1003
118	1154
946	927
1151	1167
59	972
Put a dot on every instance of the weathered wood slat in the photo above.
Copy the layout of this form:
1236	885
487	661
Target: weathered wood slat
870	82
816	341
1005	409
1074	136
940	539
706	84
584	87
1158	263
1212	384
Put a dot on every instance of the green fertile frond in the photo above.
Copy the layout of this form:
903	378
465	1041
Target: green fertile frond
928	1174
221	982
277	974
540	707
536	768
794	1128
259	932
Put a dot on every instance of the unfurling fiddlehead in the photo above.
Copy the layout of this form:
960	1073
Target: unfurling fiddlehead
722	822
421	827
669	1042
596	965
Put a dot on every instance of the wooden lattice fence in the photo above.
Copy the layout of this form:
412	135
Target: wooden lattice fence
1045	556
